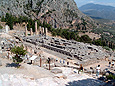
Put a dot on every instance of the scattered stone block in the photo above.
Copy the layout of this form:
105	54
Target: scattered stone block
64	77
32	78
60	75
56	71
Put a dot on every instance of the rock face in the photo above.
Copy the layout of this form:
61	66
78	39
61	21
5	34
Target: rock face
58	13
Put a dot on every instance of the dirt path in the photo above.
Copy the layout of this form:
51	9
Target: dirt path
103	64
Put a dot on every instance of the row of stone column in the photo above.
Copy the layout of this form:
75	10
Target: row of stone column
40	30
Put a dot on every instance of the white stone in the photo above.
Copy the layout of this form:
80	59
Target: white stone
6	27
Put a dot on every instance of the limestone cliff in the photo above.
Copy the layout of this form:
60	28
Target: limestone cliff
58	13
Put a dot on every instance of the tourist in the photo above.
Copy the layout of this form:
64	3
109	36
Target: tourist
63	61
109	64
56	59
112	64
80	69
67	63
97	70
91	69
48	60
60	60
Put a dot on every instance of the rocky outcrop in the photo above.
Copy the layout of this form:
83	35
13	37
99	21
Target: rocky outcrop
58	13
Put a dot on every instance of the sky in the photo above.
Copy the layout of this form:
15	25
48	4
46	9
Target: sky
102	2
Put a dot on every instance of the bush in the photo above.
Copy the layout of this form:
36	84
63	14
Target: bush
107	48
1	27
2	19
110	76
86	39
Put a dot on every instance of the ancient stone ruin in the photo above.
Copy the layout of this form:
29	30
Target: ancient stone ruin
82	51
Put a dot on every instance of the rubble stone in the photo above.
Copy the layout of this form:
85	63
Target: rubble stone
56	71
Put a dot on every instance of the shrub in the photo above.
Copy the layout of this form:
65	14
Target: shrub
1	27
110	76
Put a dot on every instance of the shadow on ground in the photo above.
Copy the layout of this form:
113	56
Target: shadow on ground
12	65
110	83
86	82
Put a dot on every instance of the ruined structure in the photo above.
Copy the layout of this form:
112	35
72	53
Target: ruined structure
42	31
82	51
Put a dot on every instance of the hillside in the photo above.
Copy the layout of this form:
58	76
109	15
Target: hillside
58	13
97	11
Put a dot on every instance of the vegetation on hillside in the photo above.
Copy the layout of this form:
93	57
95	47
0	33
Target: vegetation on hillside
8	19
107	36
12	20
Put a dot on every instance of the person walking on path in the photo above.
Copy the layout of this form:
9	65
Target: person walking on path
56	59
63	61
67	63
97	70
60	60
80	69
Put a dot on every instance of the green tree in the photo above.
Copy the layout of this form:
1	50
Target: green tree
9	20
19	51
86	39
98	42
2	19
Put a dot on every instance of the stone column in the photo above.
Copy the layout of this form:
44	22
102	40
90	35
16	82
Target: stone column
43	31
26	32
31	33
40	30
6	27
46	31
36	32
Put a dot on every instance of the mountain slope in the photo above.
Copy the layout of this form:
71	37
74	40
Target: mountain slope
98	11
58	13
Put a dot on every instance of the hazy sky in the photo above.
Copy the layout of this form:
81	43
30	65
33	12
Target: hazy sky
103	2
